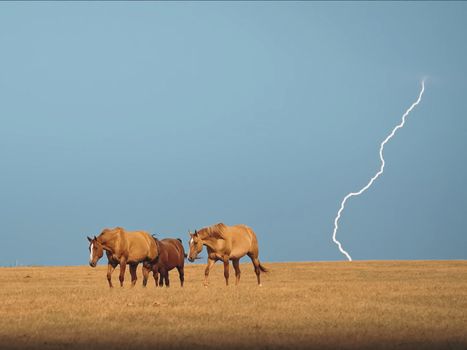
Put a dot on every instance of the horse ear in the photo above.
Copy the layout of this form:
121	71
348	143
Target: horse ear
196	232
95	237
89	238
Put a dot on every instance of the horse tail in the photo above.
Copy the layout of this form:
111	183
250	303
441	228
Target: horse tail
262	268
184	254
255	243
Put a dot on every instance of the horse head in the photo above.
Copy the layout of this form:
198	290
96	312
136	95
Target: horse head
96	251
196	246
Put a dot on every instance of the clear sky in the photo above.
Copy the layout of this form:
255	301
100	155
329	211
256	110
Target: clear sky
173	116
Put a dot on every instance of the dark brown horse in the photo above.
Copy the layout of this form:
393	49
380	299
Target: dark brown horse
171	254
122	248
226	243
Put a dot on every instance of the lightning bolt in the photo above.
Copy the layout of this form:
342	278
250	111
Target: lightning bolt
381	170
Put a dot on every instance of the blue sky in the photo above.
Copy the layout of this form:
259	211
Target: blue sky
173	116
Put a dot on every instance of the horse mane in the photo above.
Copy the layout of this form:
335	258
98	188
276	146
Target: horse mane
215	231
103	238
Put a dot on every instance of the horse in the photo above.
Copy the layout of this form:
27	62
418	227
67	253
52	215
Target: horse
122	247
171	254
226	243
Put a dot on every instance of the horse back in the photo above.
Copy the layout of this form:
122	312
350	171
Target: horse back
141	246
243	240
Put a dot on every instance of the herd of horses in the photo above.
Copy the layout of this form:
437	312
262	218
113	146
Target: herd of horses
223	243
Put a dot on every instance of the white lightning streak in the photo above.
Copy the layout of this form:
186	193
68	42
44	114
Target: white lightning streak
90	254
381	170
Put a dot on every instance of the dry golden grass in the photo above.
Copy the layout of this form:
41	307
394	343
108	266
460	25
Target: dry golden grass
390	304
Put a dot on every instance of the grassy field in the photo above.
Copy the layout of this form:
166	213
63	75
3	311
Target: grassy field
384	304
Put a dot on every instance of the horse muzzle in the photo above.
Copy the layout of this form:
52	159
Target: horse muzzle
190	259
92	264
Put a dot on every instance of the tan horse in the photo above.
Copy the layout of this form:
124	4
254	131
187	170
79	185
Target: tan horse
226	243
122	248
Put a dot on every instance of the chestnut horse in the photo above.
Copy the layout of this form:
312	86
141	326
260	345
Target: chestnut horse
122	248
226	243
171	254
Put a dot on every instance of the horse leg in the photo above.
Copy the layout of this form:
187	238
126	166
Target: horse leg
167	282
255	261
181	274
236	265
145	270
162	277
155	274
133	274
122	272
226	270
156	278
211	263
110	269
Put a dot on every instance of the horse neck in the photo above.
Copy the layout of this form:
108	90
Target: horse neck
210	242
110	243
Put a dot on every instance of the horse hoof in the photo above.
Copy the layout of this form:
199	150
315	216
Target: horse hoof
260	285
